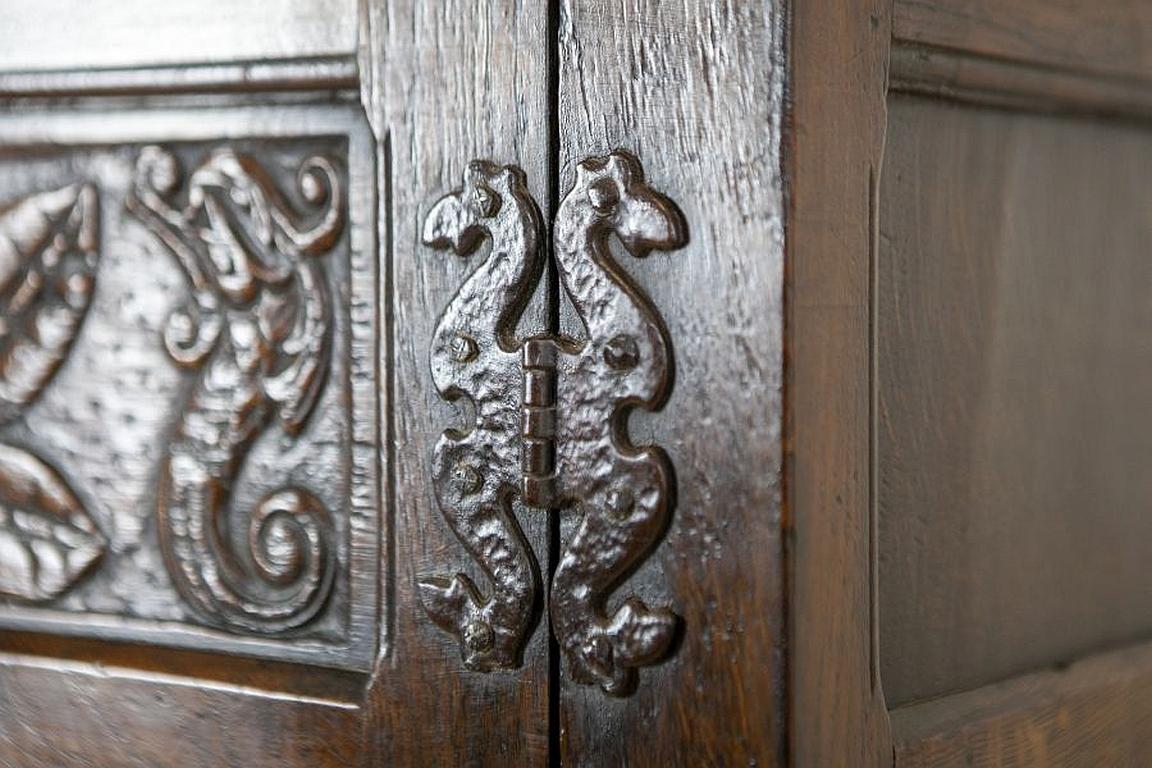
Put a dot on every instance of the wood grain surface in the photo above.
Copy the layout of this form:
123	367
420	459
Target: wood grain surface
906	417
448	82
839	89
1097	712
1013	414
81	715
694	90
99	419
1108	37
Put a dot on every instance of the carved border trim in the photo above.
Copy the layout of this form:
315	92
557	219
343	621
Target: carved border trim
368	583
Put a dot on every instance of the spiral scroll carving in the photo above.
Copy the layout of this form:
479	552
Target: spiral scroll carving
256	333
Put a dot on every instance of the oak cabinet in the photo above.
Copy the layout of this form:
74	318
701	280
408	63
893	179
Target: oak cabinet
579	382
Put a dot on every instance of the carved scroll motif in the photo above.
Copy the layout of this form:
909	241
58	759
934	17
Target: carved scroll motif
561	404
256	332
49	251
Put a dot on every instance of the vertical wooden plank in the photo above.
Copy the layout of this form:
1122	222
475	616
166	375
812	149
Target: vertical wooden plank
839	90
448	82
695	90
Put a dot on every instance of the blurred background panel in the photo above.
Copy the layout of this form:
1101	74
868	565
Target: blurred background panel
61	34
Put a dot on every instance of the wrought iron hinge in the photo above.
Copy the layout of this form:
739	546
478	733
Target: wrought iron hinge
550	418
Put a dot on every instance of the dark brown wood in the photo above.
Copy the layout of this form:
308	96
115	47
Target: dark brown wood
901	346
59	713
1010	422
109	370
1092	713
447	83
838	87
694	90
1028	55
442	85
1109	37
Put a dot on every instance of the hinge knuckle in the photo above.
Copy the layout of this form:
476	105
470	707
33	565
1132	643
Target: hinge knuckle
538	422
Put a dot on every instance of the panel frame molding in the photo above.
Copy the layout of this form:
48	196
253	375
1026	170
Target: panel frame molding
319	73
367	582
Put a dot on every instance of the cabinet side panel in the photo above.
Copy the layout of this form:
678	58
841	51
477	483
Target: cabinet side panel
1014	412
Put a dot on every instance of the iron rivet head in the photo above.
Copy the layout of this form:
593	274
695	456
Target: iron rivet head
478	636
622	353
463	348
598	653
620	502
468	479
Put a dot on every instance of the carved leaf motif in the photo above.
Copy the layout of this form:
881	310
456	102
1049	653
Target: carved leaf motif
48	255
47	540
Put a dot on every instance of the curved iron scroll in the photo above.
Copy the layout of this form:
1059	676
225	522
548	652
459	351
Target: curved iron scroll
550	418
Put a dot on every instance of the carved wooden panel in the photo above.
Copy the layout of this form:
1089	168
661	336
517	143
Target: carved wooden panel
188	398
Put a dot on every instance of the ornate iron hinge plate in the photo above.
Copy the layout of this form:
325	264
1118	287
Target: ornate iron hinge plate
550	418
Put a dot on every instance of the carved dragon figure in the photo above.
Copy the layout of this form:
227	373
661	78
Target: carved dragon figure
257	333
551	419
475	356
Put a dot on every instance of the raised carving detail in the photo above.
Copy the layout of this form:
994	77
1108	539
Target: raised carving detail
562	404
48	258
257	333
620	489
48	255
47	540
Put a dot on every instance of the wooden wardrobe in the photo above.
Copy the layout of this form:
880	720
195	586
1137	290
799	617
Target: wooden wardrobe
575	382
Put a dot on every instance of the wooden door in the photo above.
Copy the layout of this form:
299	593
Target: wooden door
235	530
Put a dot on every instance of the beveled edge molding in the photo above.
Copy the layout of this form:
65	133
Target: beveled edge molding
1104	39
1037	718
976	79
321	73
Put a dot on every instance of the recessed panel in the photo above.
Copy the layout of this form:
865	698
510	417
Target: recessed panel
1014	428
187	387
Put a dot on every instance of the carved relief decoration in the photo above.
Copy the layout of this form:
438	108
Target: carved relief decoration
190	349
49	249
256	330
550	419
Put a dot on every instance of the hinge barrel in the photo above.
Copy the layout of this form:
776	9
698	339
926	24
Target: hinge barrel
538	422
